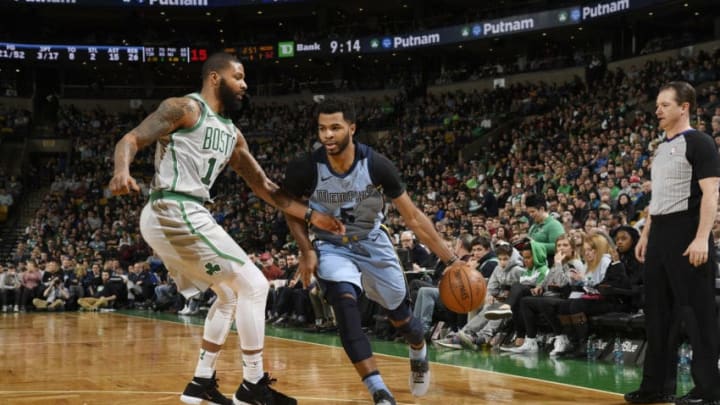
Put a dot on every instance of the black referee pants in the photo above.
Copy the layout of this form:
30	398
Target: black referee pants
679	296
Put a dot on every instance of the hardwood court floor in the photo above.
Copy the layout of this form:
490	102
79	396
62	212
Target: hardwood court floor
113	358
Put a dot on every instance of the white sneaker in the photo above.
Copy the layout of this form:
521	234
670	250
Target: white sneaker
5	308
185	311
529	346
419	377
16	308
561	344
451	342
500	311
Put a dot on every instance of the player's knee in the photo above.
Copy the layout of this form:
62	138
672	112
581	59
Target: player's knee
227	307
411	329
250	287
224	306
335	291
354	340
343	298
401	313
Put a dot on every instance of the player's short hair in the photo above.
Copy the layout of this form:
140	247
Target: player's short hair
332	105
684	93
217	62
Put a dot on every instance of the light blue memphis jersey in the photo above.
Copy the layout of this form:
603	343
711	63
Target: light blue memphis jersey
356	197
188	161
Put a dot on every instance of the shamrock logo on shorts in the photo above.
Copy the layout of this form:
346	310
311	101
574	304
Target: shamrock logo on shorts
211	268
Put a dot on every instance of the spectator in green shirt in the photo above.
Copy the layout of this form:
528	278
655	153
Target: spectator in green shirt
545	228
564	187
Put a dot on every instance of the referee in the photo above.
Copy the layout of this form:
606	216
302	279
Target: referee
675	245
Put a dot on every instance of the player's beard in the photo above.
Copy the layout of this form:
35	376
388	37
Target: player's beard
341	146
228	98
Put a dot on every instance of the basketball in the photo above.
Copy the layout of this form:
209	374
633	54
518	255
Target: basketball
462	289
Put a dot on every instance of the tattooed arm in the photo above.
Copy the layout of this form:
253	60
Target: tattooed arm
171	115
245	165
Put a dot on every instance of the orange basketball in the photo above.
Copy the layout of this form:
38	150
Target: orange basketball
462	289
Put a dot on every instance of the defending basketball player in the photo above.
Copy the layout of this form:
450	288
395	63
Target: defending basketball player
194	144
347	180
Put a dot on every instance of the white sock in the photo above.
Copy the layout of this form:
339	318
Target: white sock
253	367
206	364
418	354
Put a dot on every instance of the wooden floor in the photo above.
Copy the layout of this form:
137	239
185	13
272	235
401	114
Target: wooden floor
110	358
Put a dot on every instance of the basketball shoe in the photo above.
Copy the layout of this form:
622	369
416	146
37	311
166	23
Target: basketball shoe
260	393
204	391
419	376
383	397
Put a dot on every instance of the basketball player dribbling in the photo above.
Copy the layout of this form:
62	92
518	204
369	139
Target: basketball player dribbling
194	144
347	180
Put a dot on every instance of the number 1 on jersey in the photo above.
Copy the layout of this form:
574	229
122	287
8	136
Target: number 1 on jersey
208	176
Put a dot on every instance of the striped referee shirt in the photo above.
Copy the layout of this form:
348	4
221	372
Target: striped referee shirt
679	163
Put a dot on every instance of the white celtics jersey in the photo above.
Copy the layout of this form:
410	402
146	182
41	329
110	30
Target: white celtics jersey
189	160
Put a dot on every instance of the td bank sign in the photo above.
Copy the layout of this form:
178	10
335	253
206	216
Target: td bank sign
286	49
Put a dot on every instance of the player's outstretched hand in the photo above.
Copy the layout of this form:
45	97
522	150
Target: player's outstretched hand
327	223
122	184
307	264
459	262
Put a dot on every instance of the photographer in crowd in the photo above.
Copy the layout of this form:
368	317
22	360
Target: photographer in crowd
54	296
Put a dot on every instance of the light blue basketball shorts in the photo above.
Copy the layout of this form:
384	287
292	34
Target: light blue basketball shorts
371	264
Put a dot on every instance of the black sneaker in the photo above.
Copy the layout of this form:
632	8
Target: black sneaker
204	391
694	398
647	397
383	397
261	393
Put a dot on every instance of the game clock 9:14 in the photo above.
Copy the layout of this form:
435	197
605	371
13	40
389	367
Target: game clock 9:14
347	46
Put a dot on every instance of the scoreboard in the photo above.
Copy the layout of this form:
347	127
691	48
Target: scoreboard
100	53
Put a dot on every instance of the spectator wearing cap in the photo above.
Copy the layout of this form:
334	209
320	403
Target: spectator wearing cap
523	225
604	212
635	193
269	268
